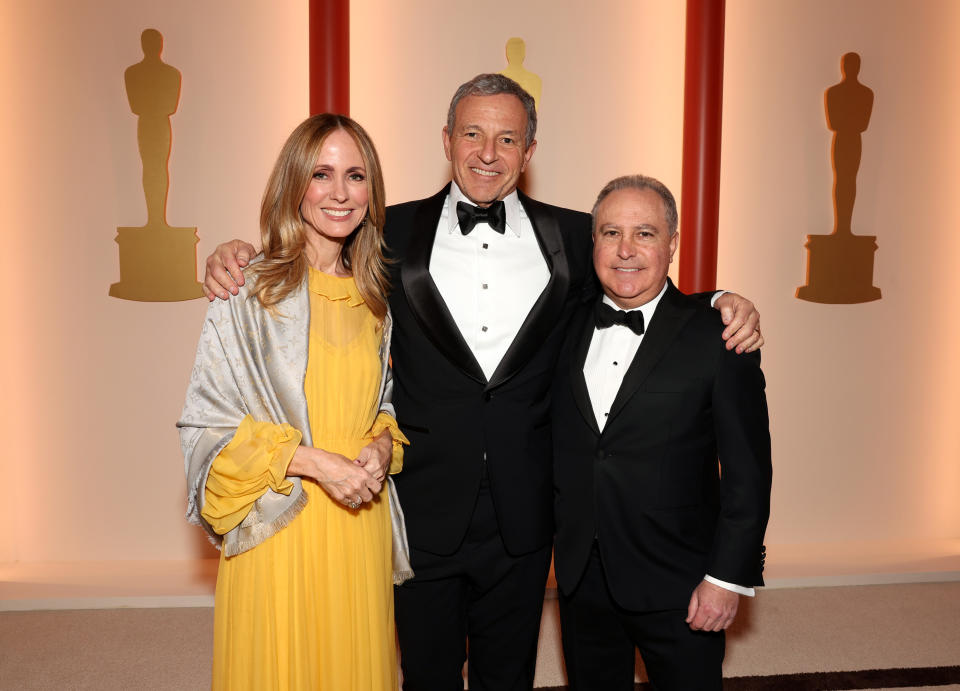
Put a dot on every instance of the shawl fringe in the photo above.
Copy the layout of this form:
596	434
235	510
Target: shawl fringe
400	576
250	537
402	571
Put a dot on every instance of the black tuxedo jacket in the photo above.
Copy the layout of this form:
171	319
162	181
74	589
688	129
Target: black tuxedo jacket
452	415
648	487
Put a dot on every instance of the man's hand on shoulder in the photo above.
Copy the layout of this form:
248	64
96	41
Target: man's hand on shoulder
224	272
712	608
742	321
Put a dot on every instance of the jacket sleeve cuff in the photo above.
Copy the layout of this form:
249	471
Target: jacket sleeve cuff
739	589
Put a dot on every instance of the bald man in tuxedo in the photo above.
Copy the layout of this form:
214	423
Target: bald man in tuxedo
661	463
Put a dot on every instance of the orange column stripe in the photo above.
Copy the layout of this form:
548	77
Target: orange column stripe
330	56
702	113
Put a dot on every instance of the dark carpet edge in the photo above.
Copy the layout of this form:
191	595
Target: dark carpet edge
893	678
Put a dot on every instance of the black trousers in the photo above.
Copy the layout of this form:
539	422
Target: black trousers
480	593
600	638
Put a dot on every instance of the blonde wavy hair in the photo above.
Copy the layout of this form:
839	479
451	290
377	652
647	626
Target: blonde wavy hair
283	231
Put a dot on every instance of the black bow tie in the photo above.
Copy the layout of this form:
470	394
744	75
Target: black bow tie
606	316
470	215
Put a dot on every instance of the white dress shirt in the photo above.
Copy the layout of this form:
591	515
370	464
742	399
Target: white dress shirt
488	281
610	354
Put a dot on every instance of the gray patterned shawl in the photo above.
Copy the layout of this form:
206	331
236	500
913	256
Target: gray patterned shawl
250	362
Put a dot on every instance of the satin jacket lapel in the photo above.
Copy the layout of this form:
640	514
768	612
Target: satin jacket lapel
422	294
578	383
548	307
668	320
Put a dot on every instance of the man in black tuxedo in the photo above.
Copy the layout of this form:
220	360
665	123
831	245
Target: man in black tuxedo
655	541
485	280
480	307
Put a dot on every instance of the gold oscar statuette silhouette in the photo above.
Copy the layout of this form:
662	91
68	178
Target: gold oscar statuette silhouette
840	265
532	84
158	263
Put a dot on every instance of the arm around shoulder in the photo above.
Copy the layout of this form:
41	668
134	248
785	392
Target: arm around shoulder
224	269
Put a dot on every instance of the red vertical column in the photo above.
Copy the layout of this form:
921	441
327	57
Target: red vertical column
330	56
702	114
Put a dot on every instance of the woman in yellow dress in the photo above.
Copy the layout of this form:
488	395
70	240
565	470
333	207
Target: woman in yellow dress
288	432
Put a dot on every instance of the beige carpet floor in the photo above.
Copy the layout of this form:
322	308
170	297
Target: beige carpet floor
781	632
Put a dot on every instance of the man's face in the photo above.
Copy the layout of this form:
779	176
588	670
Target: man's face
486	146
632	246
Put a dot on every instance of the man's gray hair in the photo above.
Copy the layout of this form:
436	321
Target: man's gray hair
491	85
640	182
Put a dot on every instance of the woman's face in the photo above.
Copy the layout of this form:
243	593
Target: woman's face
336	200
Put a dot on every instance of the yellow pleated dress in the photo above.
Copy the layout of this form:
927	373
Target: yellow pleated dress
312	606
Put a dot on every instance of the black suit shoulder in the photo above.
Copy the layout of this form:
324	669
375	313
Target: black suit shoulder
398	213
574	225
698	302
401	221
570	218
706	325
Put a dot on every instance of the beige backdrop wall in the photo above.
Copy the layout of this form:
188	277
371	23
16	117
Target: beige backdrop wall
94	384
862	397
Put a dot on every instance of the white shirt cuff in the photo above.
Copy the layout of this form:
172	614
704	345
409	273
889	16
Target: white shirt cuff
713	302
749	592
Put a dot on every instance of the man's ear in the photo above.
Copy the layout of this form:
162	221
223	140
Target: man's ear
528	154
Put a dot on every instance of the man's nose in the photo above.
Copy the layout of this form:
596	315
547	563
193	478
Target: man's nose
624	248
488	154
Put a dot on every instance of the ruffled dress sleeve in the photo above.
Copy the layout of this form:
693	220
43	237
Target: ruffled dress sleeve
386	421
254	461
